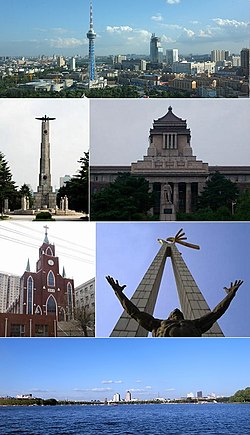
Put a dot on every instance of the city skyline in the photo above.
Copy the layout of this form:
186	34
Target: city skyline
70	130
161	368
21	241
123	129
125	251
190	26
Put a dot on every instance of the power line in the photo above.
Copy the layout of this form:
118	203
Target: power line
36	238
31	245
55	237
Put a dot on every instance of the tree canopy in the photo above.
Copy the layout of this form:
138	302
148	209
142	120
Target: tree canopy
127	198
8	188
77	188
241	396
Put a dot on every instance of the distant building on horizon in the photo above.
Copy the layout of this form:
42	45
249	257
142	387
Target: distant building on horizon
172	56
199	395
128	396
156	50
116	397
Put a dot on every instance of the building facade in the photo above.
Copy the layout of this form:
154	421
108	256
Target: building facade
45	292
85	305
174	174
9	290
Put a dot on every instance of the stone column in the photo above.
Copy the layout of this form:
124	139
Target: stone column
188	198
23	203
176	196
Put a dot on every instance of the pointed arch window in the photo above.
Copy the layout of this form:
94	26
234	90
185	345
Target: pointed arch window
49	251
51	279
51	305
30	287
38	310
70	296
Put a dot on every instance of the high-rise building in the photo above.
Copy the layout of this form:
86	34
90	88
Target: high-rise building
9	290
172	56
199	395
219	55
44	197
244	61
91	35
156	51
60	61
116	397
72	64
128	396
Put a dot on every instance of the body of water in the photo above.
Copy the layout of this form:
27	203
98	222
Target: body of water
202	419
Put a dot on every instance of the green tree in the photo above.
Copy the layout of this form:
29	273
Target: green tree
25	191
127	198
77	188
242	207
241	396
7	185
218	192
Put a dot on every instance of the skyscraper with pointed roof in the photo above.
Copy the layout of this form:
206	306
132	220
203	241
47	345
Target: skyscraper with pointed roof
91	35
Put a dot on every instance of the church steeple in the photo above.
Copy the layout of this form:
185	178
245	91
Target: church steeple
46	240
28	266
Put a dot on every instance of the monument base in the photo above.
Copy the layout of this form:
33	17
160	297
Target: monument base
168	212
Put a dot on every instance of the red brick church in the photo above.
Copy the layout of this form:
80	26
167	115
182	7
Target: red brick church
45	291
45	296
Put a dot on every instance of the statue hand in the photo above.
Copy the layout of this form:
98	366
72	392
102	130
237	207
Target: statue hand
234	286
115	284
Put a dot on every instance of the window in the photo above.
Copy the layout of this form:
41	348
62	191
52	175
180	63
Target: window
41	331
30	285
38	310
51	279
51	305
17	330
70	296
49	251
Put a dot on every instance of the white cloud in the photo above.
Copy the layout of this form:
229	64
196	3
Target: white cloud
187	33
230	23
111	382
172	26
167	40
173	2
66	42
95	390
157	17
119	29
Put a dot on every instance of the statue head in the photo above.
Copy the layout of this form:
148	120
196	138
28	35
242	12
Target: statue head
176	315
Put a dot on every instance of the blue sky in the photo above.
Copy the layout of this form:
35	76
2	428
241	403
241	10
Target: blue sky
47	27
97	368
125	251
